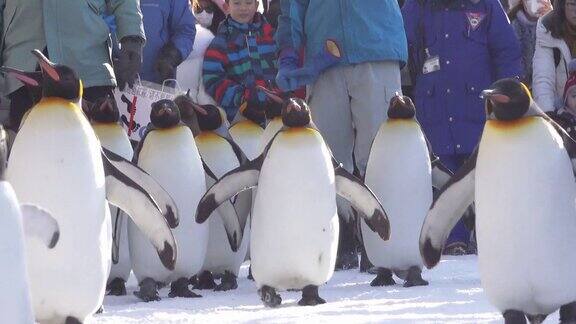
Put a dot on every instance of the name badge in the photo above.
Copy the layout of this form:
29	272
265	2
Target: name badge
431	64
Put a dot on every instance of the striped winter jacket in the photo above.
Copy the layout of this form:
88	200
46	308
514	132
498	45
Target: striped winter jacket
240	57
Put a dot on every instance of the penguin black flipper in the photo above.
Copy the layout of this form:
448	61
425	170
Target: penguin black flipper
117	235
362	199
237	150
150	207
231	220
242	178
40	224
446	210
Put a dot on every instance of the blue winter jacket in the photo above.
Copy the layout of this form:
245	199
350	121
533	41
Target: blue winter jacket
165	21
367	30
476	46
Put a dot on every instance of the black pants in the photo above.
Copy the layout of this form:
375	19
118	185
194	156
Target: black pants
24	98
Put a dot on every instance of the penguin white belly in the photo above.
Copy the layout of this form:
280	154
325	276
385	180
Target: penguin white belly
399	174
56	163
526	217
247	135
273	127
171	157
217	153
113	137
294	221
15	304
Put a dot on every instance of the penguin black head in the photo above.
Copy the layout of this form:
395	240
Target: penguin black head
103	110
401	107
507	100
3	153
58	81
203	117
164	114
296	113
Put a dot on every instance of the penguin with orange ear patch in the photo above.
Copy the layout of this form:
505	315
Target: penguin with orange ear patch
521	178
220	155
297	181
105	119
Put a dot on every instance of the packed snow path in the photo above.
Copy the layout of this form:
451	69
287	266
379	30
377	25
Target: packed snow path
453	296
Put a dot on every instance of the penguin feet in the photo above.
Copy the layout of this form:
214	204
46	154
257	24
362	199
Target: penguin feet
148	290
117	287
228	282
514	317
100	310
269	296
384	278
179	288
72	320
365	263
346	260
205	281
310	296
568	313
536	319
250	277
414	278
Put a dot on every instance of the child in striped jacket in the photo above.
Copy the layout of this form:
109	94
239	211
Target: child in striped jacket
241	57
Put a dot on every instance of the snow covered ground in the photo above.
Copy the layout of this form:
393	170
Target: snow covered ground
453	296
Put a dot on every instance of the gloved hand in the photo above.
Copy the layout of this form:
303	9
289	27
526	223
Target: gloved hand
254	105
129	61
167	61
291	77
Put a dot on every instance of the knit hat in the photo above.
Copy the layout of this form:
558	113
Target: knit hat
571	78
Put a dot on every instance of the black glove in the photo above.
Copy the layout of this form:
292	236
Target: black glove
168	59
253	108
129	61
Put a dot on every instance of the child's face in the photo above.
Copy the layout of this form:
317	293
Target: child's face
242	10
571	100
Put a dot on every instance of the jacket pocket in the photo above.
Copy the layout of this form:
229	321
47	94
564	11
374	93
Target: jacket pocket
428	105
474	109
93	14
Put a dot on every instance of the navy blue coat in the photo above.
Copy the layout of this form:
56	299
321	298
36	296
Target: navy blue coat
165	21
476	46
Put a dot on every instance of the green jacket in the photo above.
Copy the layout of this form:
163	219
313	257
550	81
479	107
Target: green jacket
73	31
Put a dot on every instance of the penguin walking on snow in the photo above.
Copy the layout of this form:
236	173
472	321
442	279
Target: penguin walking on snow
58	163
401	170
104	117
294	229
521	178
169	154
16	222
220	155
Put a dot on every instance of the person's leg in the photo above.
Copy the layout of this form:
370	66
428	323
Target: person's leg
371	85
330	107
21	101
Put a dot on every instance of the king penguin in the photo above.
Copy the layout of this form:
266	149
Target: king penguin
220	155
104	116
521	177
168	152
294	229
58	163
17	222
273	113
400	170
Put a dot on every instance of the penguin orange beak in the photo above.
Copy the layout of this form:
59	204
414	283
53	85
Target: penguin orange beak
46	66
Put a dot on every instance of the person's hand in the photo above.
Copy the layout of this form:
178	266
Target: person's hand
291	77
545	7
254	105
167	61
129	61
